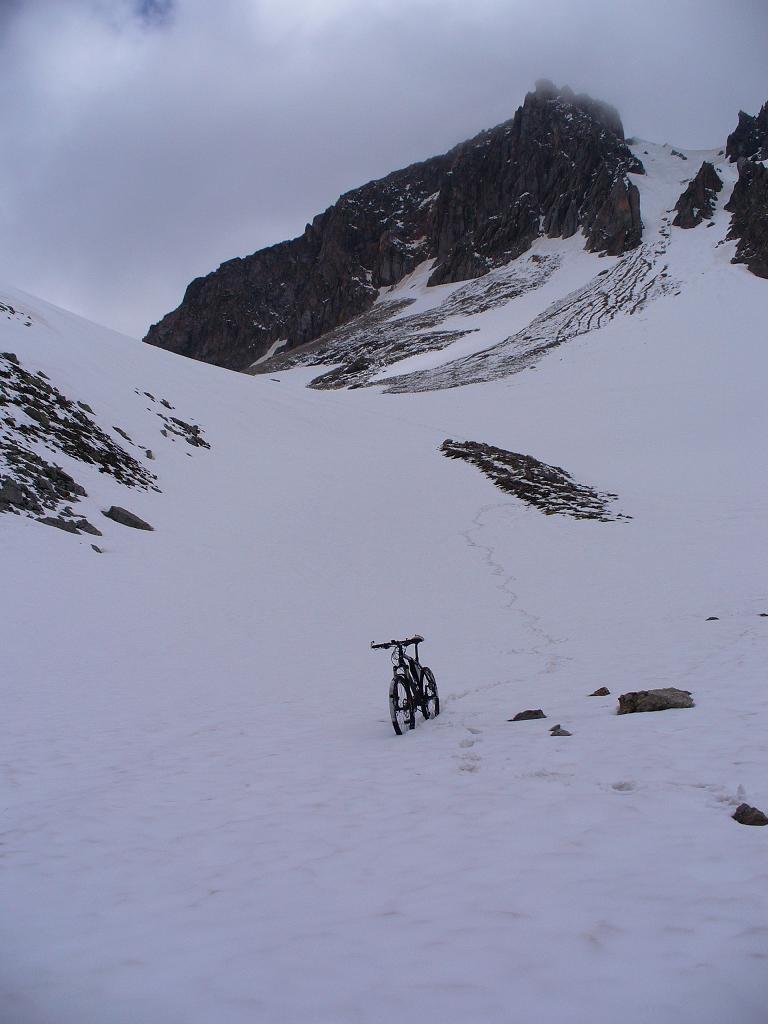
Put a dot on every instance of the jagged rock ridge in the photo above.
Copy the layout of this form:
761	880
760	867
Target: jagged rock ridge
698	199
749	140
748	146
558	166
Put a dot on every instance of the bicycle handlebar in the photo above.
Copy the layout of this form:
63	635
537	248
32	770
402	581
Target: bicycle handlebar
398	643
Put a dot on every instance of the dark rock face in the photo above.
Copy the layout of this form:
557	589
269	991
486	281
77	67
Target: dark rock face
698	200
749	223
561	161
750	138
126	518
654	700
559	165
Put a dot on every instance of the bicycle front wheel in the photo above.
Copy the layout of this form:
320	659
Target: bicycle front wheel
401	706
431	698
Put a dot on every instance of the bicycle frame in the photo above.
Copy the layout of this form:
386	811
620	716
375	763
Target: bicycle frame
412	673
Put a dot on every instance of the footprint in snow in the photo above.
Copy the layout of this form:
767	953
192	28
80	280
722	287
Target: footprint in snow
469	763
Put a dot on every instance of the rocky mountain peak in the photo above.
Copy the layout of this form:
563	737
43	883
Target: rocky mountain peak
749	140
560	165
603	113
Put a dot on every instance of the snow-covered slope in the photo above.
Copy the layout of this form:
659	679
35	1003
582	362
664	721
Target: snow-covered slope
206	813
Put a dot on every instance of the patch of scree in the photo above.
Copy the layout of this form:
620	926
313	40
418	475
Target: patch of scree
547	488
623	289
387	333
33	415
189	432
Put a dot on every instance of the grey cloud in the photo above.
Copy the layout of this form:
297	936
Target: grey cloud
145	141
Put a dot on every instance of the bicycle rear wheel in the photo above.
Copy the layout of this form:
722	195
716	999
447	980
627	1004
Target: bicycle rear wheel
432	700
401	706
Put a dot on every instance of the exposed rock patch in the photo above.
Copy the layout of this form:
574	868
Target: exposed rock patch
190	432
527	716
699	198
602	691
11	313
547	488
654	700
35	414
32	410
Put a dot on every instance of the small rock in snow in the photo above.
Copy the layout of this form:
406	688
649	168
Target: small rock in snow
603	691
557	731
525	716
746	815
713	618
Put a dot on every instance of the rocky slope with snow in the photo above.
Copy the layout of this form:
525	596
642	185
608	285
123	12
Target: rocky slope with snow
560	165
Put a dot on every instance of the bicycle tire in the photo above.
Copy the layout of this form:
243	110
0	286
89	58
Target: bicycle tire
432	698
401	708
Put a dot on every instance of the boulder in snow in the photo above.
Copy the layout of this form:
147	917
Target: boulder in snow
525	716
654	700
126	518
746	815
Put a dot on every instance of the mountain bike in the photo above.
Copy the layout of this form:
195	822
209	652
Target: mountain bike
413	685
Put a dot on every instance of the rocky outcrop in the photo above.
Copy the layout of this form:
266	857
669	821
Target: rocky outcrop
37	419
699	198
749	140
749	223
560	165
547	488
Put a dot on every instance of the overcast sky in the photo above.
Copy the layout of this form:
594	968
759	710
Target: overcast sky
145	141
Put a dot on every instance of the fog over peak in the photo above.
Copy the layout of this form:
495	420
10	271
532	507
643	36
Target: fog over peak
146	141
